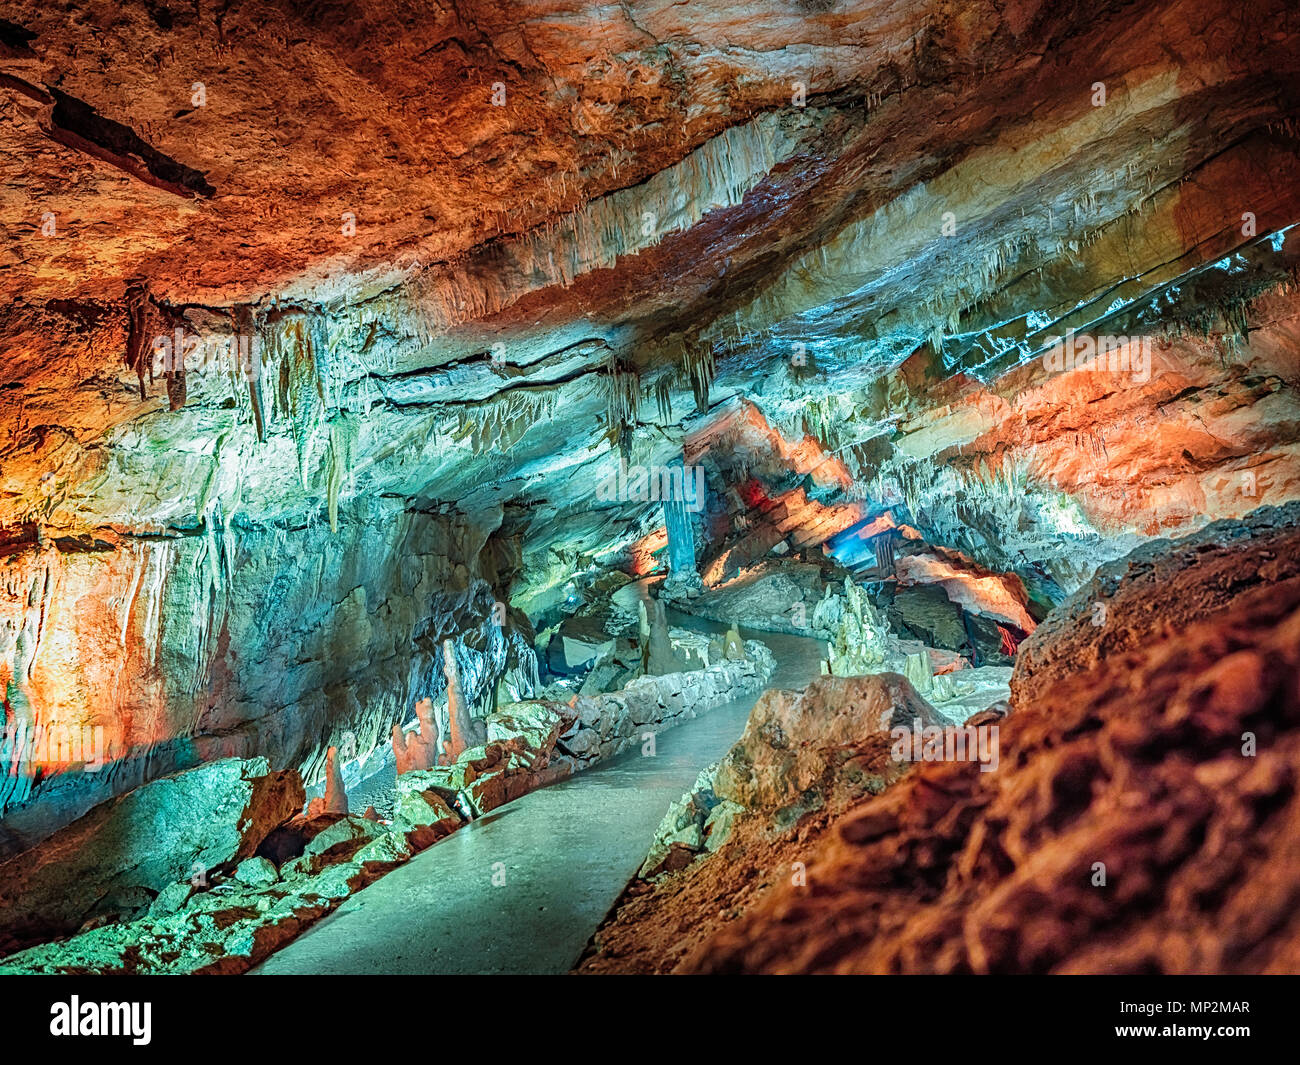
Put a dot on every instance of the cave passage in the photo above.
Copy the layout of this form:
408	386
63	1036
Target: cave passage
566	852
729	487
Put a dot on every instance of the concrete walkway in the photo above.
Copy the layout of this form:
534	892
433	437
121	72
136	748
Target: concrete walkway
523	889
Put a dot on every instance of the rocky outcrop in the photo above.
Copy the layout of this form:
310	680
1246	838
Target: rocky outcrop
698	822
115	859
802	750
1157	589
1143	817
252	904
232	641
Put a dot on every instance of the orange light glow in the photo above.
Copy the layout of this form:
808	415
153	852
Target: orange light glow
643	551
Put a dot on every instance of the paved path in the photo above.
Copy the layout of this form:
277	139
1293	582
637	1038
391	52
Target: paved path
565	852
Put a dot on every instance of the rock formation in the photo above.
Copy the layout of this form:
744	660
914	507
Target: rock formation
957	305
335	800
418	750
657	654
200	820
860	644
460	728
1140	819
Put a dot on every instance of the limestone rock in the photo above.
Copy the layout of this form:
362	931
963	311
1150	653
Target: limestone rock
337	843
213	815
171	898
802	749
927	613
721	820
535	725
391	848
424	817
255	871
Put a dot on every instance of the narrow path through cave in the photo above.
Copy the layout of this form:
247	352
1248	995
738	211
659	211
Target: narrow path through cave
568	850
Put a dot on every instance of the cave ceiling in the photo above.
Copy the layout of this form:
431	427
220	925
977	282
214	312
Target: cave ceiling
486	249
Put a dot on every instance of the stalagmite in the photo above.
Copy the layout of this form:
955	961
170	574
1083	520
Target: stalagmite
336	798
458	722
919	671
734	647
657	656
419	749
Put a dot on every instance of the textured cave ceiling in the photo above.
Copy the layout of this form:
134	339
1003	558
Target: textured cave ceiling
651	213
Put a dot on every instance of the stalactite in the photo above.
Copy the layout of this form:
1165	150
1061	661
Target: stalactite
246	333
701	369
664	398
622	404
342	449
137	315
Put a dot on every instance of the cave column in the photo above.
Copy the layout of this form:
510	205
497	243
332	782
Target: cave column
686	497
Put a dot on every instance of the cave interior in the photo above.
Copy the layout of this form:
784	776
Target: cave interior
641	419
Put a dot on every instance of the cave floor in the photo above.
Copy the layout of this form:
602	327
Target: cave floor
562	856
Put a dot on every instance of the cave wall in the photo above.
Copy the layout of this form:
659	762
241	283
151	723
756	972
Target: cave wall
656	237
257	640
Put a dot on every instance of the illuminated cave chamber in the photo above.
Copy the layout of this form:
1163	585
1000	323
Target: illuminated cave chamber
314	477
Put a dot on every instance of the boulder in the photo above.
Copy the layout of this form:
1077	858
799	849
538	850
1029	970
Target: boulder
801	750
171	899
391	848
994	641
488	791
337	843
535	725
424	817
256	871
608	677
641	697
720	823
213	815
680	834
582	742
927	613
578	642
